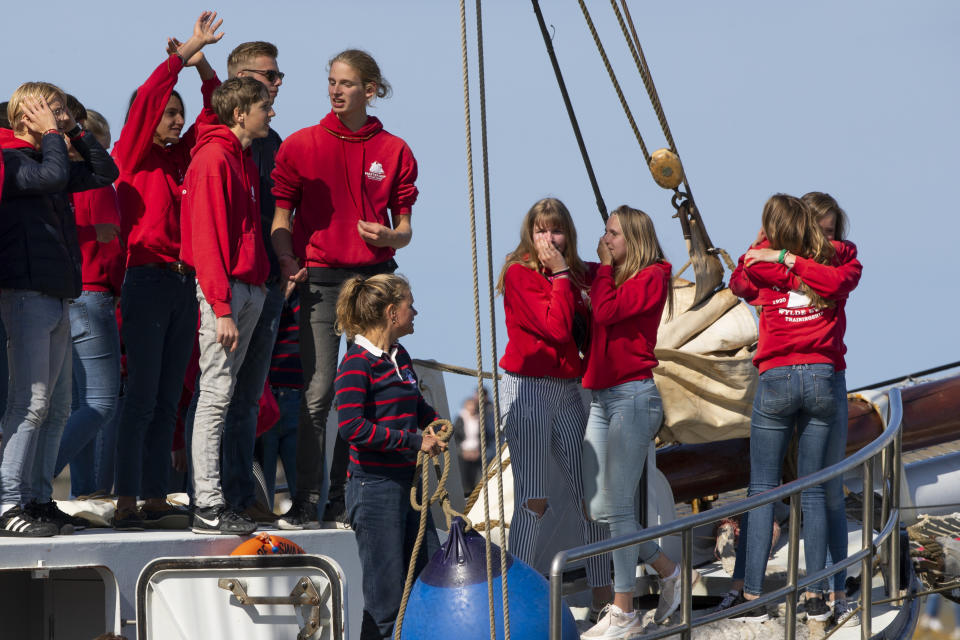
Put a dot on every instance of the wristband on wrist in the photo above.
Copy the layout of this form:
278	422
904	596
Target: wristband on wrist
783	254
55	132
565	270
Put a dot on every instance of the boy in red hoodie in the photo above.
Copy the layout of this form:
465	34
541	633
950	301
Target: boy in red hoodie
221	238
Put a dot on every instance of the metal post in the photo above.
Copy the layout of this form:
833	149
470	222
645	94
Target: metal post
866	568
556	591
793	571
894	567
686	586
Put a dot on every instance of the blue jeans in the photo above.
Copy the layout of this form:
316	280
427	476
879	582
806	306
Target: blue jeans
833	489
280	442
38	405
802	397
96	386
240	427
623	421
386	527
159	309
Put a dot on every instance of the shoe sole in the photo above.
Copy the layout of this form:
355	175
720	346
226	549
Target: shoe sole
762	618
178	521
129	527
287	526
217	532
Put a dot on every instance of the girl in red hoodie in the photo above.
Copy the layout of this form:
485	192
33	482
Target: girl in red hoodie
543	412
351	184
798	353
628	295
158	301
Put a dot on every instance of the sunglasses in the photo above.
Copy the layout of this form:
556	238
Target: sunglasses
271	75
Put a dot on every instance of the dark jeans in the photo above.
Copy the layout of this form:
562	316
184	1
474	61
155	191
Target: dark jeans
800	397
280	442
319	347
833	489
386	528
240	426
159	309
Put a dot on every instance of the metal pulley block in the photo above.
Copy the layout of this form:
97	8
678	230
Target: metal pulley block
666	168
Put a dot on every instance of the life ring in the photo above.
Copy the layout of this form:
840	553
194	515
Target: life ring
265	544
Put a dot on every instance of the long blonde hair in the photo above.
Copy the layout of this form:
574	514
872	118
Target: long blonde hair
643	248
790	224
546	212
823	204
362	303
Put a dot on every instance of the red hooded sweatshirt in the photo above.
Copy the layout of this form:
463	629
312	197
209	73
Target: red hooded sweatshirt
792	331
539	316
623	330
332	177
150	175
102	262
220	216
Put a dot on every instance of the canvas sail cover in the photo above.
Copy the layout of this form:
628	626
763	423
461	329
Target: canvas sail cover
706	375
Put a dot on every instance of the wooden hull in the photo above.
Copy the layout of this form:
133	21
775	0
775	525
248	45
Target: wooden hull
931	416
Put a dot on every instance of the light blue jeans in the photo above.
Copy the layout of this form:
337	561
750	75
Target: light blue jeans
96	386
800	397
623	421
38	405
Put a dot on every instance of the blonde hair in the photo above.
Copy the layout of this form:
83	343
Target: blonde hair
97	125
546	212
790	224
45	90
823	204
366	67
246	53
362	303
643	248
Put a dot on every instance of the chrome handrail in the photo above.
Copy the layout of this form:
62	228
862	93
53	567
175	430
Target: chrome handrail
889	439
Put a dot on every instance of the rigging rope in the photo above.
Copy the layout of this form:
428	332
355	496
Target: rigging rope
548	43
476	294
493	328
613	79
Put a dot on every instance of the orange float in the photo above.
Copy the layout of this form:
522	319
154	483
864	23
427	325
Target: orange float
264	544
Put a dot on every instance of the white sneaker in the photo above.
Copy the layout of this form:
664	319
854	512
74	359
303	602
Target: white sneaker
614	623
670	594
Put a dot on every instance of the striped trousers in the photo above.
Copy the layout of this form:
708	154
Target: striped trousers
545	417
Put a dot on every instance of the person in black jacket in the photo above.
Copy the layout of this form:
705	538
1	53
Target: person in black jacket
39	275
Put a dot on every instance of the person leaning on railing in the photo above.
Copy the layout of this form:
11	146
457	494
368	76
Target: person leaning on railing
799	350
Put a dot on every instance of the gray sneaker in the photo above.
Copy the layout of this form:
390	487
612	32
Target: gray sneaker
845	613
669	596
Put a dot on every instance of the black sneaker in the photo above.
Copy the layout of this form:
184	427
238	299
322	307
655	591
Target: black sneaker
15	522
335	515
221	520
170	516
302	515
756	614
817	609
128	520
50	512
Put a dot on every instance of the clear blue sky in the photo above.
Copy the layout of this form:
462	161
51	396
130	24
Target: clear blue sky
855	98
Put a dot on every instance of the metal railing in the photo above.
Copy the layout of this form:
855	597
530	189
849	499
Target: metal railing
887	446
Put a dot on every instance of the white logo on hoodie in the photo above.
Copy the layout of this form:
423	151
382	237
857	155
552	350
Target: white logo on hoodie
375	172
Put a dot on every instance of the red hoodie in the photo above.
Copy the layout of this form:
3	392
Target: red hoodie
220	218
102	262
150	175
792	331
623	330
539	317
334	177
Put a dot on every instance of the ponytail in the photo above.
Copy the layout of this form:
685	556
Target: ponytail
362	303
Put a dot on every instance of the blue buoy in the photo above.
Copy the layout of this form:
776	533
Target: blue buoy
449	599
